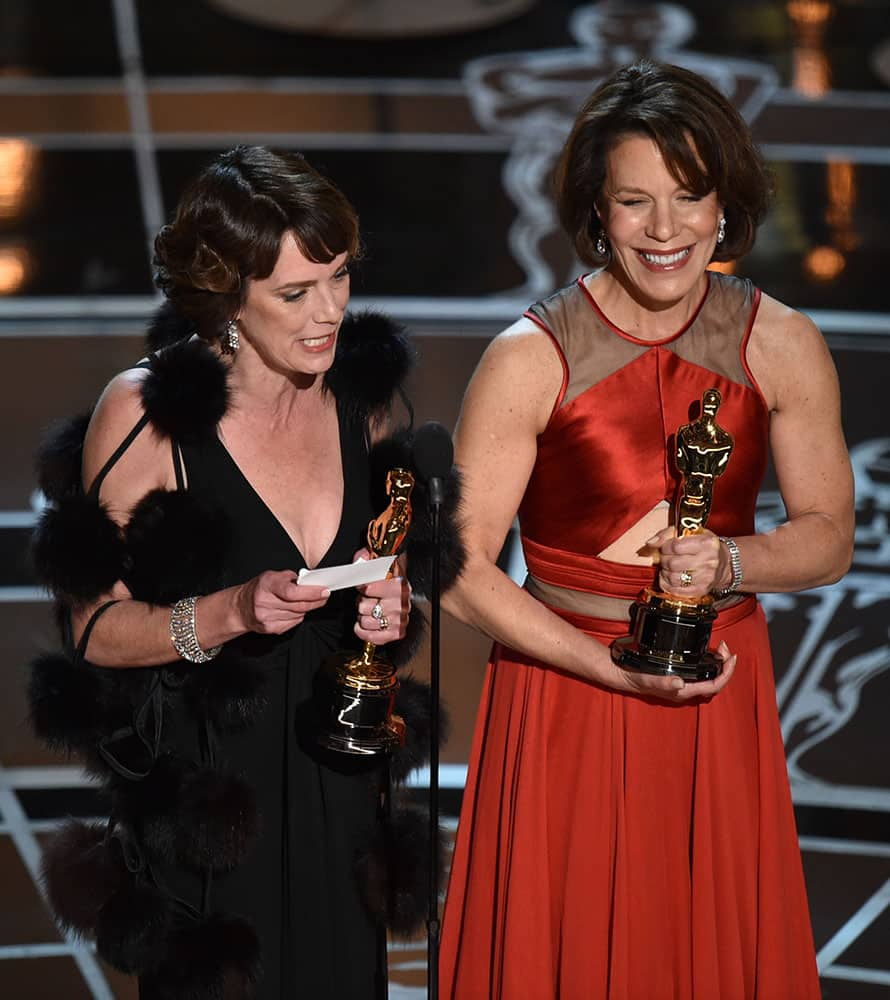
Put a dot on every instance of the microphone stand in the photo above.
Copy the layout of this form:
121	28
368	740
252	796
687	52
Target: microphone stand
433	924
434	453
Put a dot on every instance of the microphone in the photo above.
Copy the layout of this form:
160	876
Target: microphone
433	454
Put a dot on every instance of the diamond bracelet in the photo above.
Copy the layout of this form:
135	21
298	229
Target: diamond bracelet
735	563
183	633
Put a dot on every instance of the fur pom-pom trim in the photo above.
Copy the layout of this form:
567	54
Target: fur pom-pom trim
80	873
186	390
77	549
150	804
396	451
413	705
133	928
197	817
401	652
59	457
393	873
176	547
168	326
231	695
61	700
73	704
218	819
217	958
374	356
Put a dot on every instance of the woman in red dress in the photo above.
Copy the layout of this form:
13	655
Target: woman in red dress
626	835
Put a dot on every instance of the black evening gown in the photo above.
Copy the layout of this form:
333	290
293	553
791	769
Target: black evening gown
317	809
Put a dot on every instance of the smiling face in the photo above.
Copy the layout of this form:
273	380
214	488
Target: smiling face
661	234
290	319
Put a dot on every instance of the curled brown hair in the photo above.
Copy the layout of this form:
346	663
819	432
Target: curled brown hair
704	141
229	225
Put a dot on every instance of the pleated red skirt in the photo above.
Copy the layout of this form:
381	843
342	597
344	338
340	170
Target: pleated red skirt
612	847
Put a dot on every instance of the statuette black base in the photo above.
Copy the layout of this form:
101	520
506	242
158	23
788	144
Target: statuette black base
360	717
373	742
669	636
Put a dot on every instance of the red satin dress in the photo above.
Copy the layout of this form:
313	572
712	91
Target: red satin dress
613	847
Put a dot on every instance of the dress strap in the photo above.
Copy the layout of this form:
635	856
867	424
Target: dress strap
539	321
122	447
116	455
178	465
81	651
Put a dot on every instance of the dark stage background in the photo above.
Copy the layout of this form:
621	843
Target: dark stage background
442	123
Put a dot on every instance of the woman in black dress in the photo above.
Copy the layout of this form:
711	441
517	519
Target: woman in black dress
210	475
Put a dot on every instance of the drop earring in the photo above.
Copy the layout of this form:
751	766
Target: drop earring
601	246
231	337
721	231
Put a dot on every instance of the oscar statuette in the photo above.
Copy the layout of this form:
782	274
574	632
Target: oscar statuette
362	686
670	633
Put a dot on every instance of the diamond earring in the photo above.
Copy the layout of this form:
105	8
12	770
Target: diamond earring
721	231
601	246
231	337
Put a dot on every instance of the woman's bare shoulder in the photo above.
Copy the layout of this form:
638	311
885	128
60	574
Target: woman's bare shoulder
786	347
520	372
526	334
118	408
779	327
524	351
146	462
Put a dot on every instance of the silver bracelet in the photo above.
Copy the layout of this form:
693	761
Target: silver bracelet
184	635
735	563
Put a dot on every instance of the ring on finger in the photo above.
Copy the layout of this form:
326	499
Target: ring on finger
686	578
377	611
383	623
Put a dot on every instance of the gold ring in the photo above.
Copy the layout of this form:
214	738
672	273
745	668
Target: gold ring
686	578
384	623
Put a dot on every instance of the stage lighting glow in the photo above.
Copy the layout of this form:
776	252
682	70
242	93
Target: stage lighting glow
15	263
17	158
806	12
812	70
824	263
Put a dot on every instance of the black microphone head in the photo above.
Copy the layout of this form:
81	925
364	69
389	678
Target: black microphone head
432	451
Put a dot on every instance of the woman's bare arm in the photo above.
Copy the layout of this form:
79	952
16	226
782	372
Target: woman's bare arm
134	633
791	363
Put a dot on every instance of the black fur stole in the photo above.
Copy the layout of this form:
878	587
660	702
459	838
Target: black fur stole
374	356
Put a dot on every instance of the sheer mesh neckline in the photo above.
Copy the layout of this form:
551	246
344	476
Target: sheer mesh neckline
643	342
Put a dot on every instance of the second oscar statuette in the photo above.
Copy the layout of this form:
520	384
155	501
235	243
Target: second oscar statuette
670	633
362	686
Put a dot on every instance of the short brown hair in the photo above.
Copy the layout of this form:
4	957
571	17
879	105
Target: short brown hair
229	225
705	142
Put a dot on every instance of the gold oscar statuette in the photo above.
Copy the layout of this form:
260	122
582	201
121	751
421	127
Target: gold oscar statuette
670	633
363	685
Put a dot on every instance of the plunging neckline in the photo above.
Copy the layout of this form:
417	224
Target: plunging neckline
273	517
